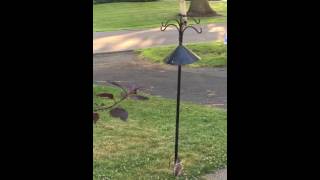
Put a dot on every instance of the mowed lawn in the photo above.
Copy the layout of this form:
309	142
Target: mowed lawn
143	147
139	15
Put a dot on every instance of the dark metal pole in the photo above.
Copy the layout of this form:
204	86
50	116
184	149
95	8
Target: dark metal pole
177	115
181	27
181	24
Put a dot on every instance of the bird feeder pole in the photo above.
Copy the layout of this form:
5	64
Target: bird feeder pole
180	56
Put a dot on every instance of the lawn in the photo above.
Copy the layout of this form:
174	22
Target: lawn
139	15
142	147
213	54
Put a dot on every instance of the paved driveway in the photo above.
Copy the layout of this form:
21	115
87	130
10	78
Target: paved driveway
134	39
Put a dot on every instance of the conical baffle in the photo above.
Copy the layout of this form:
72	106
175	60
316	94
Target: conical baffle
181	55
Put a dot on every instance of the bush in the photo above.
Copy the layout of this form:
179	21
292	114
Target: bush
110	1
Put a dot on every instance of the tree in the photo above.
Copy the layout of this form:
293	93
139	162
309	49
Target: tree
200	8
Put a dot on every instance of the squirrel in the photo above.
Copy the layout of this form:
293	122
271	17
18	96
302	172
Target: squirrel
177	170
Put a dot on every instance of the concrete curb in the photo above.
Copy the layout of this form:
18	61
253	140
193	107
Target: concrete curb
112	52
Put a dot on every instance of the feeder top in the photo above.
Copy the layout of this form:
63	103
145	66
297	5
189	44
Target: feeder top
181	55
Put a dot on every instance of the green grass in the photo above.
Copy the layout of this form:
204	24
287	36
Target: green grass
213	54
140	15
142	147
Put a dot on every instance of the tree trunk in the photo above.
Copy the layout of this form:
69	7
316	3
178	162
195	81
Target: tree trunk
200	8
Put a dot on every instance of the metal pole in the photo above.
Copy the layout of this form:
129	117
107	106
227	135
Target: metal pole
181	25
177	115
